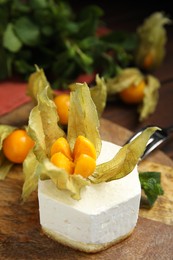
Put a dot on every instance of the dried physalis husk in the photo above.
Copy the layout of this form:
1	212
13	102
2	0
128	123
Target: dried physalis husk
152	39
151	97
123	80
125	160
5	164
83	117
44	130
36	83
133	76
98	93
83	120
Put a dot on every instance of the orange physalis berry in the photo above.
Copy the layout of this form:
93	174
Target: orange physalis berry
84	165
133	94
148	61
82	162
17	145
83	146
61	145
62	102
61	161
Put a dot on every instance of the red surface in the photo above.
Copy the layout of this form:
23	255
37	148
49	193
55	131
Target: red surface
12	95
88	78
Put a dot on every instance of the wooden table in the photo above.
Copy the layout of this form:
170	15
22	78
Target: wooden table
21	236
121	16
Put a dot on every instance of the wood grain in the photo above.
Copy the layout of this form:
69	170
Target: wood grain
21	236
157	161
18	116
163	207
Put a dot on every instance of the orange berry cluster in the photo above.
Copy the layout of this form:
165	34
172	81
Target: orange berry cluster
82	160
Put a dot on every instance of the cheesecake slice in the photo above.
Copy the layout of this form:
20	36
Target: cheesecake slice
106	214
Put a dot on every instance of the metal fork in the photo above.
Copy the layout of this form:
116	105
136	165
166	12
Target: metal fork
155	140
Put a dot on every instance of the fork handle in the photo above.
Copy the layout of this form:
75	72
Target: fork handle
169	129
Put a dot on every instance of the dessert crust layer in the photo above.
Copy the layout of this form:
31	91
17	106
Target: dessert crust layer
88	248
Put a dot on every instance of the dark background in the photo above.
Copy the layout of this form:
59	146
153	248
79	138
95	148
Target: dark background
126	14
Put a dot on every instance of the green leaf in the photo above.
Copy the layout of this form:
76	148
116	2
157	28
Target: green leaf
22	66
89	20
10	40
19	8
27	31
38	4
85	59
3	1
47	30
90	43
150	183
127	41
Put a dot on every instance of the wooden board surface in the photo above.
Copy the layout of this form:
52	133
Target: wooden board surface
22	238
163	208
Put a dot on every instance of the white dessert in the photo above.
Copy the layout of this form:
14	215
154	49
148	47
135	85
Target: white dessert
107	212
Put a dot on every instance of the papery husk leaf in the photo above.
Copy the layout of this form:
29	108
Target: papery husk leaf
44	130
5	164
43	125
151	97
152	39
35	130
5	130
99	95
31	175
123	80
36	83
62	179
124	161
83	117
49	118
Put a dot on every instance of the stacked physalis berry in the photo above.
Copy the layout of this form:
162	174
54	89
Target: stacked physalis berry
82	160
